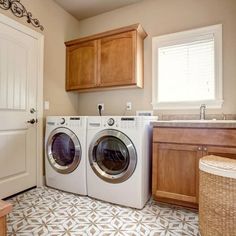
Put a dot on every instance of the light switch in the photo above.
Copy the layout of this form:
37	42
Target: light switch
46	105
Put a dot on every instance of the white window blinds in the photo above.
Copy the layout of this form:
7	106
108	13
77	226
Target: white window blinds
186	71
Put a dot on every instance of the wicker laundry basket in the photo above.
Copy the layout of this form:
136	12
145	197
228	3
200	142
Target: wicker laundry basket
217	196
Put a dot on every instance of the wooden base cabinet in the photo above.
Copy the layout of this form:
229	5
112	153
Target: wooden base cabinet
111	59
175	166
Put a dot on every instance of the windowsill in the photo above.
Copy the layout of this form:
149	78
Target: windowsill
217	104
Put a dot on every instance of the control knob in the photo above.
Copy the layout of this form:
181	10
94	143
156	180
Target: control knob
62	121
110	122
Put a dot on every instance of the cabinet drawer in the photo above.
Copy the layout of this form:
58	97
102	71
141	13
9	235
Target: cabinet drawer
219	137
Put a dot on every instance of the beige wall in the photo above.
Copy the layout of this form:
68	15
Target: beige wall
162	17
157	17
59	26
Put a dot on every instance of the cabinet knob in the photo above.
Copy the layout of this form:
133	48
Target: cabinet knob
199	148
205	149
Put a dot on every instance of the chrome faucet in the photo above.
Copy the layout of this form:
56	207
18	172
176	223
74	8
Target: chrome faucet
202	111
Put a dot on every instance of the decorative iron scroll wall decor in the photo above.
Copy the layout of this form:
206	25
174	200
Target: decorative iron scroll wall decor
19	10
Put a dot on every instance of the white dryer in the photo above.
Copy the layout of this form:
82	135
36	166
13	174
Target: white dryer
65	153
118	168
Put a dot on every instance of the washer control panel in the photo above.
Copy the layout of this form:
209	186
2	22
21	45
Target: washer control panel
126	122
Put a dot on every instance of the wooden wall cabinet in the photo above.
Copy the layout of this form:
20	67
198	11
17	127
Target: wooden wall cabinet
176	154
112	59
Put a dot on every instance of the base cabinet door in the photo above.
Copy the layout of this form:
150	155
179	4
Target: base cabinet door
175	173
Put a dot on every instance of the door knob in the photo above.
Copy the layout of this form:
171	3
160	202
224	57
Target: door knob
32	121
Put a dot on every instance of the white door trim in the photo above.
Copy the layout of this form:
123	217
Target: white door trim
40	47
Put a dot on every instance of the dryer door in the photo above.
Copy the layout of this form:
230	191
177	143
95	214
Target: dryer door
63	150
112	156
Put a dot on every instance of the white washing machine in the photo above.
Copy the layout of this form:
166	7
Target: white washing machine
118	168
65	153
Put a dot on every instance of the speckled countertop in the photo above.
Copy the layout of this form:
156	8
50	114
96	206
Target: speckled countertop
220	124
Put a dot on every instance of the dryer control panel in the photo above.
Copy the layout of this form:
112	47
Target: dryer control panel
70	121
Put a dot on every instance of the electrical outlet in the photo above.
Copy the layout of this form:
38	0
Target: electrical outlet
101	104
128	106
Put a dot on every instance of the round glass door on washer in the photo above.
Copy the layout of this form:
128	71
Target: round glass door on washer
63	150
112	156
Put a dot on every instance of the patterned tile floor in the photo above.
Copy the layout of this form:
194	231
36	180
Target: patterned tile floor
49	212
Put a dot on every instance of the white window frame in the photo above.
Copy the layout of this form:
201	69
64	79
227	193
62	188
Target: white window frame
183	37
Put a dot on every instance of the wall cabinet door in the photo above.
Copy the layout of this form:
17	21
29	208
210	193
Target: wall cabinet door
175	173
117	60
81	66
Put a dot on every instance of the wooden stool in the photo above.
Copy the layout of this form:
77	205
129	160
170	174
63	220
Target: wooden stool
5	208
217	196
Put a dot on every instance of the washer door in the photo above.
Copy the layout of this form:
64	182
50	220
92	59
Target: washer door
63	150
112	156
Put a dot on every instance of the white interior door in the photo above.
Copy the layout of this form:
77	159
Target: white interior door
18	96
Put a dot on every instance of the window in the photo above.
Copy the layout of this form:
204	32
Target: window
187	69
